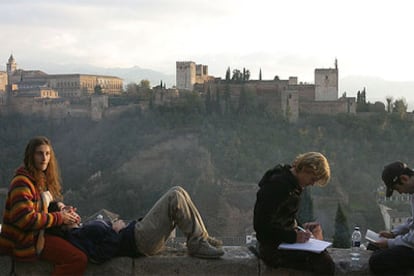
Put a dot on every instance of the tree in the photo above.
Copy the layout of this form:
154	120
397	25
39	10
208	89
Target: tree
260	74
362	105
400	107
237	75
246	74
305	213
389	103
98	89
145	84
341	238
228	74
131	88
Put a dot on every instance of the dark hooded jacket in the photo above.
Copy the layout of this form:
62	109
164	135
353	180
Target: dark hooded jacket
97	238
277	204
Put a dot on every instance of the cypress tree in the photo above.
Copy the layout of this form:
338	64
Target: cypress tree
228	74
341	238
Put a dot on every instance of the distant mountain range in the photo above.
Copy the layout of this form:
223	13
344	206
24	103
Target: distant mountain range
377	89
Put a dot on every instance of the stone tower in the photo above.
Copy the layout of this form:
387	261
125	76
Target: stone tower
11	67
185	75
189	73
326	84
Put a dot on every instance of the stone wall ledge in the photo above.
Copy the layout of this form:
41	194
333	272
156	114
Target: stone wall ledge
238	260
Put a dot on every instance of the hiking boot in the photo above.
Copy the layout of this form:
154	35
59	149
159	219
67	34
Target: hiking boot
200	248
214	242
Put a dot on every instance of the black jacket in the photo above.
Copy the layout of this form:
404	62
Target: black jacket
98	241
277	204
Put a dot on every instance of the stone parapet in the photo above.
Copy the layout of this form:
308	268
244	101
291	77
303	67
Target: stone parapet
238	260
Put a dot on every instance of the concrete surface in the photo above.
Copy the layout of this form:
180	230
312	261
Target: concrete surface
238	260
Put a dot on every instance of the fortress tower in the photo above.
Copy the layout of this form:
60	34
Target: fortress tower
185	74
189	73
326	84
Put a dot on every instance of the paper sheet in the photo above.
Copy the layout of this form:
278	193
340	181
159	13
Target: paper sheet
313	245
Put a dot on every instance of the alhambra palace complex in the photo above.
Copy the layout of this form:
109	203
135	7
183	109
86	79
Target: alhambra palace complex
286	97
61	95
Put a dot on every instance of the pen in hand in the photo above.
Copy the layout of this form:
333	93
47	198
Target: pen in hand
303	230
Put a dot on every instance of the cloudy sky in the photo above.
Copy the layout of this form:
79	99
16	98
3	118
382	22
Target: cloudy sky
284	38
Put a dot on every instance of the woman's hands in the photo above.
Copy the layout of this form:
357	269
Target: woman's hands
69	215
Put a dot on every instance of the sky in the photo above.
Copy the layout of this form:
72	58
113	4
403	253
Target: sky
283	38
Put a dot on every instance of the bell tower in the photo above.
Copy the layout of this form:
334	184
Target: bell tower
11	68
11	65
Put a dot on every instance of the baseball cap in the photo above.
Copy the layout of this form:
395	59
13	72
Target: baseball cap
391	175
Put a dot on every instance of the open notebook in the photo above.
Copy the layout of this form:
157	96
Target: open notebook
313	245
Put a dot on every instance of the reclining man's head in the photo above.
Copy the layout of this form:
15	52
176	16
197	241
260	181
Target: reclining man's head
57	206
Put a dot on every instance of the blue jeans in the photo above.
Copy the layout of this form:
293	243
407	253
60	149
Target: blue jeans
392	261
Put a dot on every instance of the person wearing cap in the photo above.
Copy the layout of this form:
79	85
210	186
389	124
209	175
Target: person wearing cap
275	211
396	249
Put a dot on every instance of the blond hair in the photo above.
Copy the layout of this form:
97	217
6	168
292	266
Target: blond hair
317	163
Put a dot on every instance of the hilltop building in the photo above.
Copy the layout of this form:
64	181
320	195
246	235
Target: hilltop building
189	73
66	85
36	92
286	97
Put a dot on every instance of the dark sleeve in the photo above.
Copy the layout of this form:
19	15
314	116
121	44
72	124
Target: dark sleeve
267	218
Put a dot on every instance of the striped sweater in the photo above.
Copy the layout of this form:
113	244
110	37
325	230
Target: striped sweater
23	219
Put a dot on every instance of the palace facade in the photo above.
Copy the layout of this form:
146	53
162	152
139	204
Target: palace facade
67	86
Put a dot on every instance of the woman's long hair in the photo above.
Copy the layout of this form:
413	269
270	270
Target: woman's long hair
50	178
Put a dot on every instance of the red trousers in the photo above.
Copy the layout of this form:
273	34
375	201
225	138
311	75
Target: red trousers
66	258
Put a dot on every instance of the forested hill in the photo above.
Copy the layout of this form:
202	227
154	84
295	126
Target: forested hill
124	164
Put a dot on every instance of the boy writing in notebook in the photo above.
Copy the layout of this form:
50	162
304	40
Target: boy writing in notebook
275	211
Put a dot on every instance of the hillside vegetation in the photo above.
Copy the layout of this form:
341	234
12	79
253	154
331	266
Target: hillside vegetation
124	164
